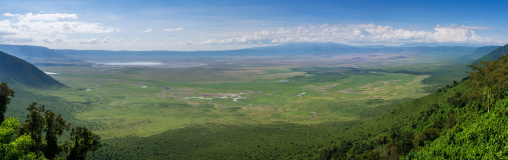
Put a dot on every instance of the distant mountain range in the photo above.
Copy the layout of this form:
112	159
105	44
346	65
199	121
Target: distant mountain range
44	56
14	70
31	53
292	49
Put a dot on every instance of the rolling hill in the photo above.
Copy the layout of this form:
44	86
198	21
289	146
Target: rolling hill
480	52
14	70
494	54
449	124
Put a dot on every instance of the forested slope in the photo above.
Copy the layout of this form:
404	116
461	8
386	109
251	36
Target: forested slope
465	120
14	70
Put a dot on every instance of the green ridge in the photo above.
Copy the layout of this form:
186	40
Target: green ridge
14	70
494	54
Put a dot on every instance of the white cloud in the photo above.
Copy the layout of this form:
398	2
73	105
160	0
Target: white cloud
360	34
466	27
173	29
46	28
98	41
185	43
11	15
147	30
41	17
5	28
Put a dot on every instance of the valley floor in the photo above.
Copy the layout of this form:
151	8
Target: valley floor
259	109
124	102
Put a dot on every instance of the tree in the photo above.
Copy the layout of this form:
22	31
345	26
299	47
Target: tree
29	143
13	149
53	125
489	80
5	94
40	120
33	126
82	142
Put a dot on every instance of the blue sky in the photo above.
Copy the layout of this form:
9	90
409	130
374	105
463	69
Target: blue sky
232	24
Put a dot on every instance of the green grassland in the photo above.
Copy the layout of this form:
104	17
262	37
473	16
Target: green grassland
147	101
260	107
247	109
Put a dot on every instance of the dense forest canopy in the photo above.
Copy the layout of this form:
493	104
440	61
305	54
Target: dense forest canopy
38	136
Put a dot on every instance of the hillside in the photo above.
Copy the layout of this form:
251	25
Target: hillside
14	70
480	52
454	123
479	129
494	54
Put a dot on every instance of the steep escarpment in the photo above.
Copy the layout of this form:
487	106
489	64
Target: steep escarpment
14	70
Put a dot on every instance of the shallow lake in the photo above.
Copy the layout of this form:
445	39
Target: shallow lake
147	63
126	63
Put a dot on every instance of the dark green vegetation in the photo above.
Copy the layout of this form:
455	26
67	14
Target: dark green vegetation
82	141
488	81
17	71
310	101
27	142
30	83
14	148
5	98
457	122
36	123
213	141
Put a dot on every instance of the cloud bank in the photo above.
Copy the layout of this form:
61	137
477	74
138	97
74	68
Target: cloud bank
59	30
47	28
358	34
